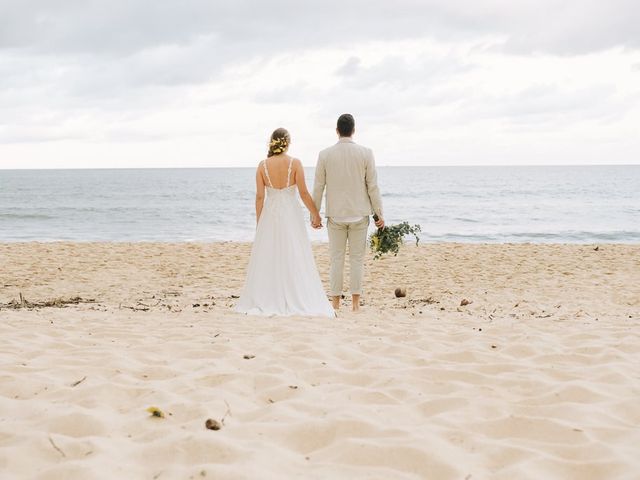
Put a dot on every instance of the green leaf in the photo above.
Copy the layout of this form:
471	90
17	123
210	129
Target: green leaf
389	239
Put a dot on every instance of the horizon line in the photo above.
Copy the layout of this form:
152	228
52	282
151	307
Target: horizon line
313	166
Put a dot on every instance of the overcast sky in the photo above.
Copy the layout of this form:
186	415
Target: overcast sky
202	83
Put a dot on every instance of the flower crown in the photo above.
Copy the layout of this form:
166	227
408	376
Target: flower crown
279	145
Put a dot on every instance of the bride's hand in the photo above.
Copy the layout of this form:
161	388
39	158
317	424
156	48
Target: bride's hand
316	221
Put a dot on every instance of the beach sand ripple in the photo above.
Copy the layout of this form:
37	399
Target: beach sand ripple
538	377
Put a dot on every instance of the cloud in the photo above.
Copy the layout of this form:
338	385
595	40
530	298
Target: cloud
245	27
295	92
401	72
195	73
552	106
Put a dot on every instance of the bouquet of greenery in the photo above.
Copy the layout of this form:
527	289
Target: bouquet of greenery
389	239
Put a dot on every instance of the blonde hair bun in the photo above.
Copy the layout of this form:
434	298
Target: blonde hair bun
279	143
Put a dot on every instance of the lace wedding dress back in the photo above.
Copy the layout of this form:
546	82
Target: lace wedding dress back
282	278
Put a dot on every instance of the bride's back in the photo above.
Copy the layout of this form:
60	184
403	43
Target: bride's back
277	167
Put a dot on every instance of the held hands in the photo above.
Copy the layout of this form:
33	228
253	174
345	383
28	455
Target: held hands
316	221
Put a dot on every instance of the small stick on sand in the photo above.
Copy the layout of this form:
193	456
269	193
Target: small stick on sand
76	383
56	447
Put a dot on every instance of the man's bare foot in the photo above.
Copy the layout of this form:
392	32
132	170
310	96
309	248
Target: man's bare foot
335	301
355	303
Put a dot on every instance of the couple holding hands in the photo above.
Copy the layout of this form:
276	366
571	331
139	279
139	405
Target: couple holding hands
282	277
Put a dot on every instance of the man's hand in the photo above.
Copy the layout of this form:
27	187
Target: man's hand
316	221
380	222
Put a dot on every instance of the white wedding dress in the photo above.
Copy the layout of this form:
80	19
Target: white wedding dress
282	278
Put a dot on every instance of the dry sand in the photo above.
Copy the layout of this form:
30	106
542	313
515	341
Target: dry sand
537	378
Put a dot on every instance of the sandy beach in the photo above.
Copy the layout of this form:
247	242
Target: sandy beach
537	377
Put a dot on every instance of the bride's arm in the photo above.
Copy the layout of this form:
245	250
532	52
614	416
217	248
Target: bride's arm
304	194
259	192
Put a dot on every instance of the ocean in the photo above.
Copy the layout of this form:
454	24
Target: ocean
563	204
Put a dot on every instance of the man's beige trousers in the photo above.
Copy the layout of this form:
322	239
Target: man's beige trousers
340	234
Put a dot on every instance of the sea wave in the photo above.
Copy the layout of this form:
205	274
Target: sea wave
474	204
25	216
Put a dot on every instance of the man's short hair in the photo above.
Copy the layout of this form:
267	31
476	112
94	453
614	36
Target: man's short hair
346	125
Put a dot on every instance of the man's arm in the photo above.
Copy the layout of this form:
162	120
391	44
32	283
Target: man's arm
371	178
320	181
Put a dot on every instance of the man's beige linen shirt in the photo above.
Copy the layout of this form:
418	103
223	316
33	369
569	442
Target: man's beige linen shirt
348	172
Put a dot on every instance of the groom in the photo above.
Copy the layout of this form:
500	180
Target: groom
348	172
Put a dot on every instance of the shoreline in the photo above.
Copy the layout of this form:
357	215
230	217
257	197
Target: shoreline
314	242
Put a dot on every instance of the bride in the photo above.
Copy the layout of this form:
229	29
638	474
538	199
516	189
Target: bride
282	278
